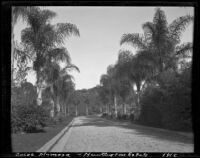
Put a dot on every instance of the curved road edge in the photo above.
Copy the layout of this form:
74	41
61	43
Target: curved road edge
50	144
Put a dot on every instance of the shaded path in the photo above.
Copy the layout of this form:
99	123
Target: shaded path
94	134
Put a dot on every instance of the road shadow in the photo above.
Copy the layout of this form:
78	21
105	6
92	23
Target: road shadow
135	129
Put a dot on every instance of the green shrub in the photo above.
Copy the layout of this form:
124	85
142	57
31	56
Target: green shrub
132	117
59	118
150	116
104	115
28	118
168	105
124	117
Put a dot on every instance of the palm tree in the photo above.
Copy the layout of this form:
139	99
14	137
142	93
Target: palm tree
67	89
59	81
76	101
86	105
161	39
137	69
107	88
111	83
114	86
103	93
124	92
46	41
69	100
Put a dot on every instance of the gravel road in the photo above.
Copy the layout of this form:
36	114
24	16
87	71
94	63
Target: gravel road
95	134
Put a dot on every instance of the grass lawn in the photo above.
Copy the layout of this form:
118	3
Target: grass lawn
31	142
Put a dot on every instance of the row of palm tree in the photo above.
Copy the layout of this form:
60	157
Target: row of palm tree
158	50
45	42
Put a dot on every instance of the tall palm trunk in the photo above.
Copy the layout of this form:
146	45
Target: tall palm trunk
107	109
86	109
52	108
68	110
62	110
125	109
39	95
101	109
65	110
115	104
58	108
138	105
53	102
39	89
76	110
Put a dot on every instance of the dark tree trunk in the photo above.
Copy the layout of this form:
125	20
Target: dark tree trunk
76	110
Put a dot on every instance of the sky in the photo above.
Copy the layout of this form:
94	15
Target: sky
101	29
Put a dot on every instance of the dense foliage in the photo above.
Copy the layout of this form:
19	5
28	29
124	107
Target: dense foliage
25	115
28	118
170	106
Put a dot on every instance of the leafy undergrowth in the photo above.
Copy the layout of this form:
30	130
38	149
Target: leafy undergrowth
31	142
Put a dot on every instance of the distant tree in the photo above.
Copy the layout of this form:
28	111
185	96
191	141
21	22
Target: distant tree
57	80
77	98
107	90
86	105
138	70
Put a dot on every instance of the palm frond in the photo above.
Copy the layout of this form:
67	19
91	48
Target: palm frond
35	20
68	78
46	36
51	72
65	30
184	48
60	54
159	17
149	30
42	39
146	57
179	25
47	15
27	36
135	39
124	56
23	54
160	24
70	67
19	11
